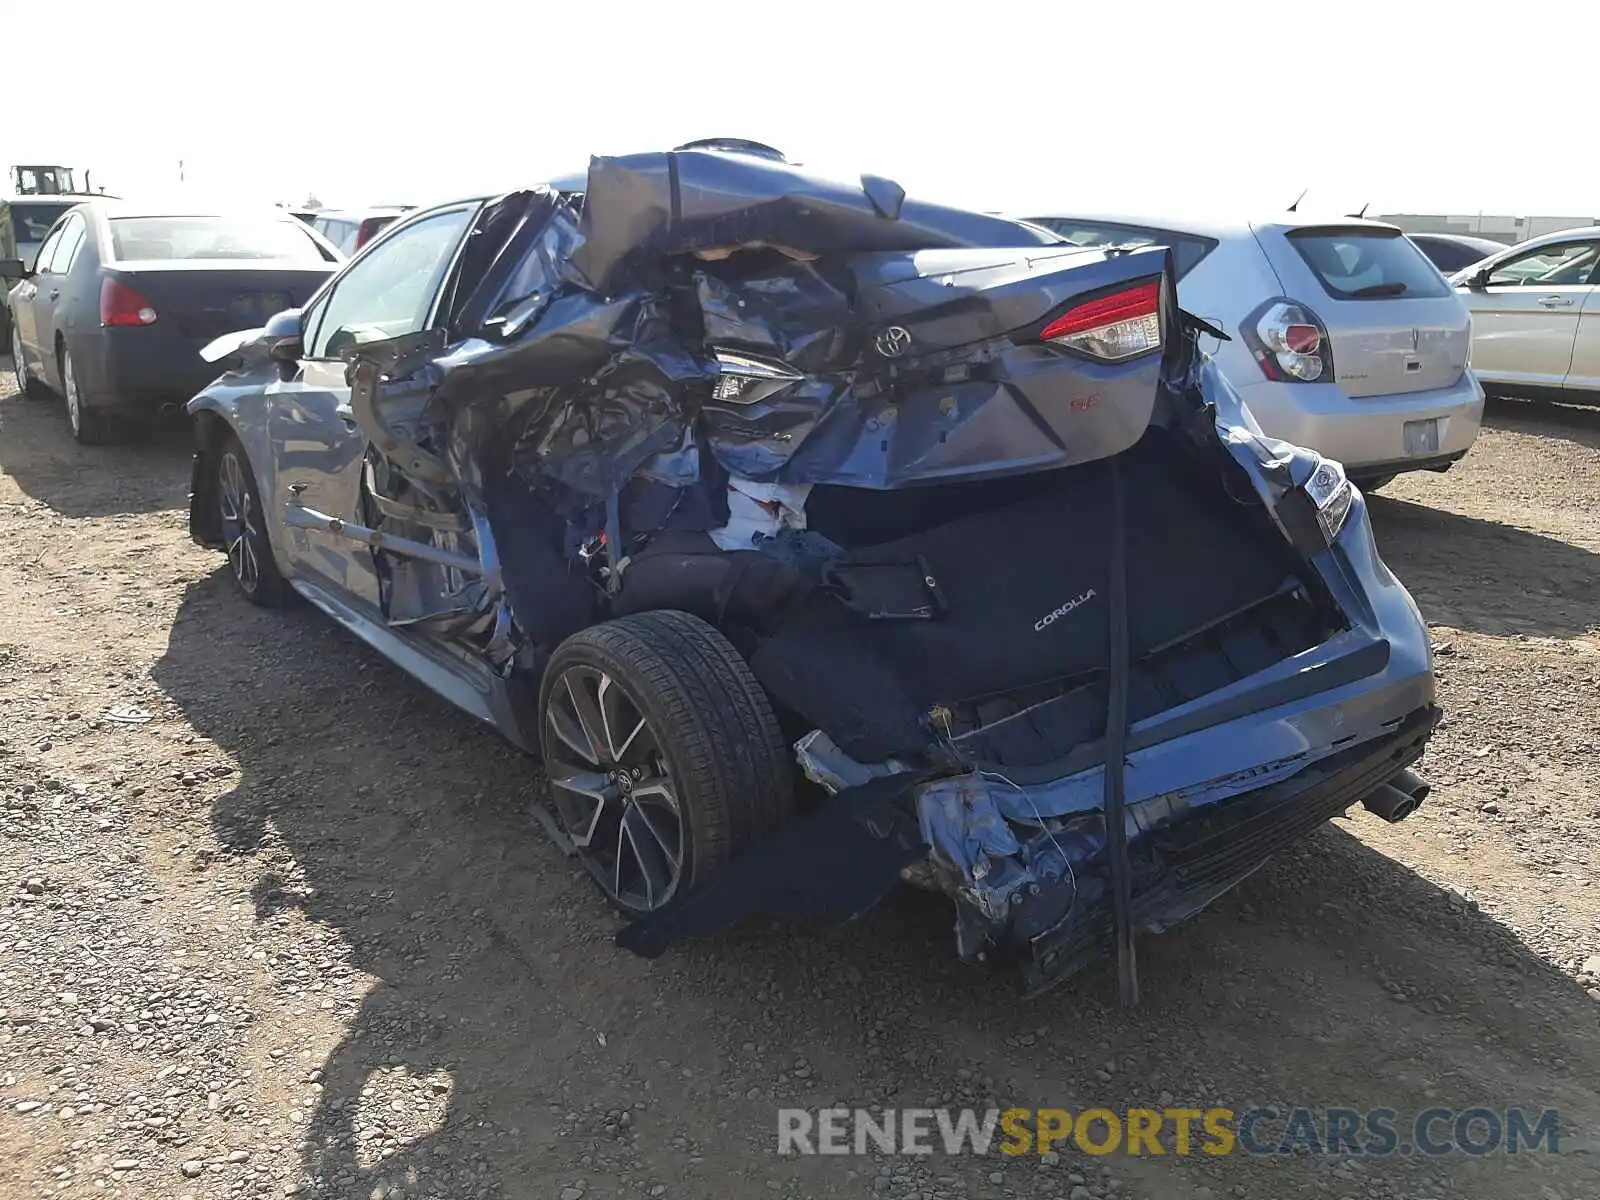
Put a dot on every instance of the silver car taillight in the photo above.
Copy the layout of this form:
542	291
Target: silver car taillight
1289	342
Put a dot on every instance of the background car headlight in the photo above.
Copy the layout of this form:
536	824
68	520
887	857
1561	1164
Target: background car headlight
1332	494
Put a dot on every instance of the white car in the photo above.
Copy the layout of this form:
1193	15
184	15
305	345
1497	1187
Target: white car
1345	339
1536	317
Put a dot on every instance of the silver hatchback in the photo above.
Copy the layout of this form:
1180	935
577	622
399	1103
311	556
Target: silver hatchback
1344	338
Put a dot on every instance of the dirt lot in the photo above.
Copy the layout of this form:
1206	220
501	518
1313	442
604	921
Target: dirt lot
273	920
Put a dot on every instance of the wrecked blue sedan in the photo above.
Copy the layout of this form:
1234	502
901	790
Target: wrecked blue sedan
819	539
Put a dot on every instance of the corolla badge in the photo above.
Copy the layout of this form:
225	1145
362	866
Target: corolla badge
893	341
1050	618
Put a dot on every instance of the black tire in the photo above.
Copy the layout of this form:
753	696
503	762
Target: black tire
27	385
90	426
242	520
1373	483
705	733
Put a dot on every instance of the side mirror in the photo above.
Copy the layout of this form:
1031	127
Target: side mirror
285	334
1478	280
12	268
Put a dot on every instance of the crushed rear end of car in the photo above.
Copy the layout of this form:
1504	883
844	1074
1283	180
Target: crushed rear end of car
1050	625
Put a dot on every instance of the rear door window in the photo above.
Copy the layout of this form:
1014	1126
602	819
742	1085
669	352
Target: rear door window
390	291
1570	264
1187	249
48	250
1367	264
66	249
340	233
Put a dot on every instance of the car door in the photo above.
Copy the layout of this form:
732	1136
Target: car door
1525	315
50	302
26	306
1583	375
318	448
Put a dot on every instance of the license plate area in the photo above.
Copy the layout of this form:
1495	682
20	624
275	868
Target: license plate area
255	307
1422	437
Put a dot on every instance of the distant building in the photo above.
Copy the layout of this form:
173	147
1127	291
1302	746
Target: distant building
1509	230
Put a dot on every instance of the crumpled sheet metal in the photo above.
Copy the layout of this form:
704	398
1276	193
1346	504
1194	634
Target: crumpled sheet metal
639	206
966	830
589	338
794	314
592	437
1279	466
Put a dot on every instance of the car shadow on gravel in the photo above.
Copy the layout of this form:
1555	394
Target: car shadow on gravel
1336	977
1483	576
37	452
1543	418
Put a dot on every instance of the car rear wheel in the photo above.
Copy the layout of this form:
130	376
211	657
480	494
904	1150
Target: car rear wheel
90	426
244	531
662	753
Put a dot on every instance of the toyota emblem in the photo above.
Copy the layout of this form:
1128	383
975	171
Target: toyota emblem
893	341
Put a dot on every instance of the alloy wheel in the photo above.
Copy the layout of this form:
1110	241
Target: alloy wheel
237	508
69	388
613	789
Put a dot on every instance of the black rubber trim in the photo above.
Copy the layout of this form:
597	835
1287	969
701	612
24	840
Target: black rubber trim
1397	466
1119	667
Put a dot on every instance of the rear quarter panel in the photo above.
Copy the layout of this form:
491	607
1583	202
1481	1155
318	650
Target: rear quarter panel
1224	288
1584	373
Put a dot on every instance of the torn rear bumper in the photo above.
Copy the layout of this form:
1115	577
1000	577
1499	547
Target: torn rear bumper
1039	896
1184	864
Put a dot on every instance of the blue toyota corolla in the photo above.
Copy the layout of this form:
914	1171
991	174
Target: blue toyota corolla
820	539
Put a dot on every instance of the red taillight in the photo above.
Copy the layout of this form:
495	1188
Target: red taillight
1117	326
1289	341
1303	339
368	229
121	305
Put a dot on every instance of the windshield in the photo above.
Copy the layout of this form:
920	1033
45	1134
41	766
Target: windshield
30	222
227	238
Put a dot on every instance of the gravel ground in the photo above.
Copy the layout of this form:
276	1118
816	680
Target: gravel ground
273	920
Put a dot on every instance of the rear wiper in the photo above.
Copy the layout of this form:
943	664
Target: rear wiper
1374	290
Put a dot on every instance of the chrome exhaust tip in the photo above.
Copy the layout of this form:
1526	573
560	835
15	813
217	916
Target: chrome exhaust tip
1399	798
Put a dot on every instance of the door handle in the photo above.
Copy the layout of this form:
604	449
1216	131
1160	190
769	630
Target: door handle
1556	301
54	292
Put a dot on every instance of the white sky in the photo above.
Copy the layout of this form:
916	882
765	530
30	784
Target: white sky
1215	105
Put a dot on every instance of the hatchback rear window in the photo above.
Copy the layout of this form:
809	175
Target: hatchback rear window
212	238
1367	264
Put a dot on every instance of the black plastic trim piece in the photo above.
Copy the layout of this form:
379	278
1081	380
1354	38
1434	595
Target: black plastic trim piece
1119	667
